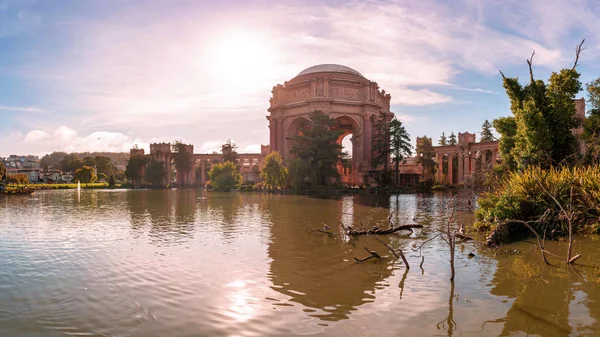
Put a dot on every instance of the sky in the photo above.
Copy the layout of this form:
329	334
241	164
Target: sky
107	75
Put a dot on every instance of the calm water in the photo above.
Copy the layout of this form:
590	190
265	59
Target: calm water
190	263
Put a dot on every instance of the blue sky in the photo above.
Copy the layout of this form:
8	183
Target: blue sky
105	75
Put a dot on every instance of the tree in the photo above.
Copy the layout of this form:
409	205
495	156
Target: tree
443	141
273	172
17	178
380	141
229	152
155	173
507	127
300	174
105	165
591	125
53	159
318	147
45	167
70	163
135	165
111	181
544	115
183	160
85	174
486	133
101	177
452	139
2	172
89	161
225	176
425	155
400	147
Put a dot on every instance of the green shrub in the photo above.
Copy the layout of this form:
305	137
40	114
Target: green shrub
529	194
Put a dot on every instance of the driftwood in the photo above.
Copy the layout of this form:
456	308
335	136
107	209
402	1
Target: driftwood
401	256
374	255
377	231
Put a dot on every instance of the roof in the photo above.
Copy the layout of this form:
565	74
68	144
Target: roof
329	68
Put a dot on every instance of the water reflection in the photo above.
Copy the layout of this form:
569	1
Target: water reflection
185	263
318	271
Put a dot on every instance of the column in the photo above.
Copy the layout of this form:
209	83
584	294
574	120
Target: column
203	169
367	134
450	157
460	168
471	164
273	134
494	155
466	169
280	141
440	170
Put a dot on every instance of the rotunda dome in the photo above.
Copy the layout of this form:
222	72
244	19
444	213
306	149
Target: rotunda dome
329	68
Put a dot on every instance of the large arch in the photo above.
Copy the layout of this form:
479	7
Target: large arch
340	92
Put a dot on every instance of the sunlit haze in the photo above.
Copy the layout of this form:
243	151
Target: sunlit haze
106	75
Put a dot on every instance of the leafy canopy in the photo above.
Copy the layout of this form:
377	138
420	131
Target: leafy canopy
273	172
544	115
318	147
225	176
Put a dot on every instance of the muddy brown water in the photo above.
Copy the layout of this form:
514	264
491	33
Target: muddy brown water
191	263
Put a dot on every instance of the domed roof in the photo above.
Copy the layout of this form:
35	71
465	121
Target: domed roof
329	68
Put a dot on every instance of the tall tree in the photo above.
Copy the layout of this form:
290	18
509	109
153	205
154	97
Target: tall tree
104	165
85	174
544	115
155	173
425	157
591	125
53	159
443	141
89	161
400	147
486	132
182	157
229	152
318	147
273	172
135	165
452	139
380	141
70	163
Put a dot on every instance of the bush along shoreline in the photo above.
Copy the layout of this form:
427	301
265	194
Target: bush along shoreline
547	199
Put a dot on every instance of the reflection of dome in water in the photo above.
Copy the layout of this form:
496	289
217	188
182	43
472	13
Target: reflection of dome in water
329	68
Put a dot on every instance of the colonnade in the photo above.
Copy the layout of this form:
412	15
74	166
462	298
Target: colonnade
466	161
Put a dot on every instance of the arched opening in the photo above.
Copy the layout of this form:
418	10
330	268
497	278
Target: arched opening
347	167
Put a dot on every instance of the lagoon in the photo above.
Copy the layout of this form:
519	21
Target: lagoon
193	263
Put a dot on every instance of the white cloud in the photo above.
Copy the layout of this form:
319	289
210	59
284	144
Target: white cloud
35	136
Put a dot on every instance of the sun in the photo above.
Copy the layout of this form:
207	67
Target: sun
240	58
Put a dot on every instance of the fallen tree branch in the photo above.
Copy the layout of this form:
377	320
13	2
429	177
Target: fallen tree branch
322	231
377	231
424	242
401	256
373	253
574	258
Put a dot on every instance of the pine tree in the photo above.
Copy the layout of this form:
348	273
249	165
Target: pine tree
486	133
425	155
452	139
380	142
400	147
443	141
